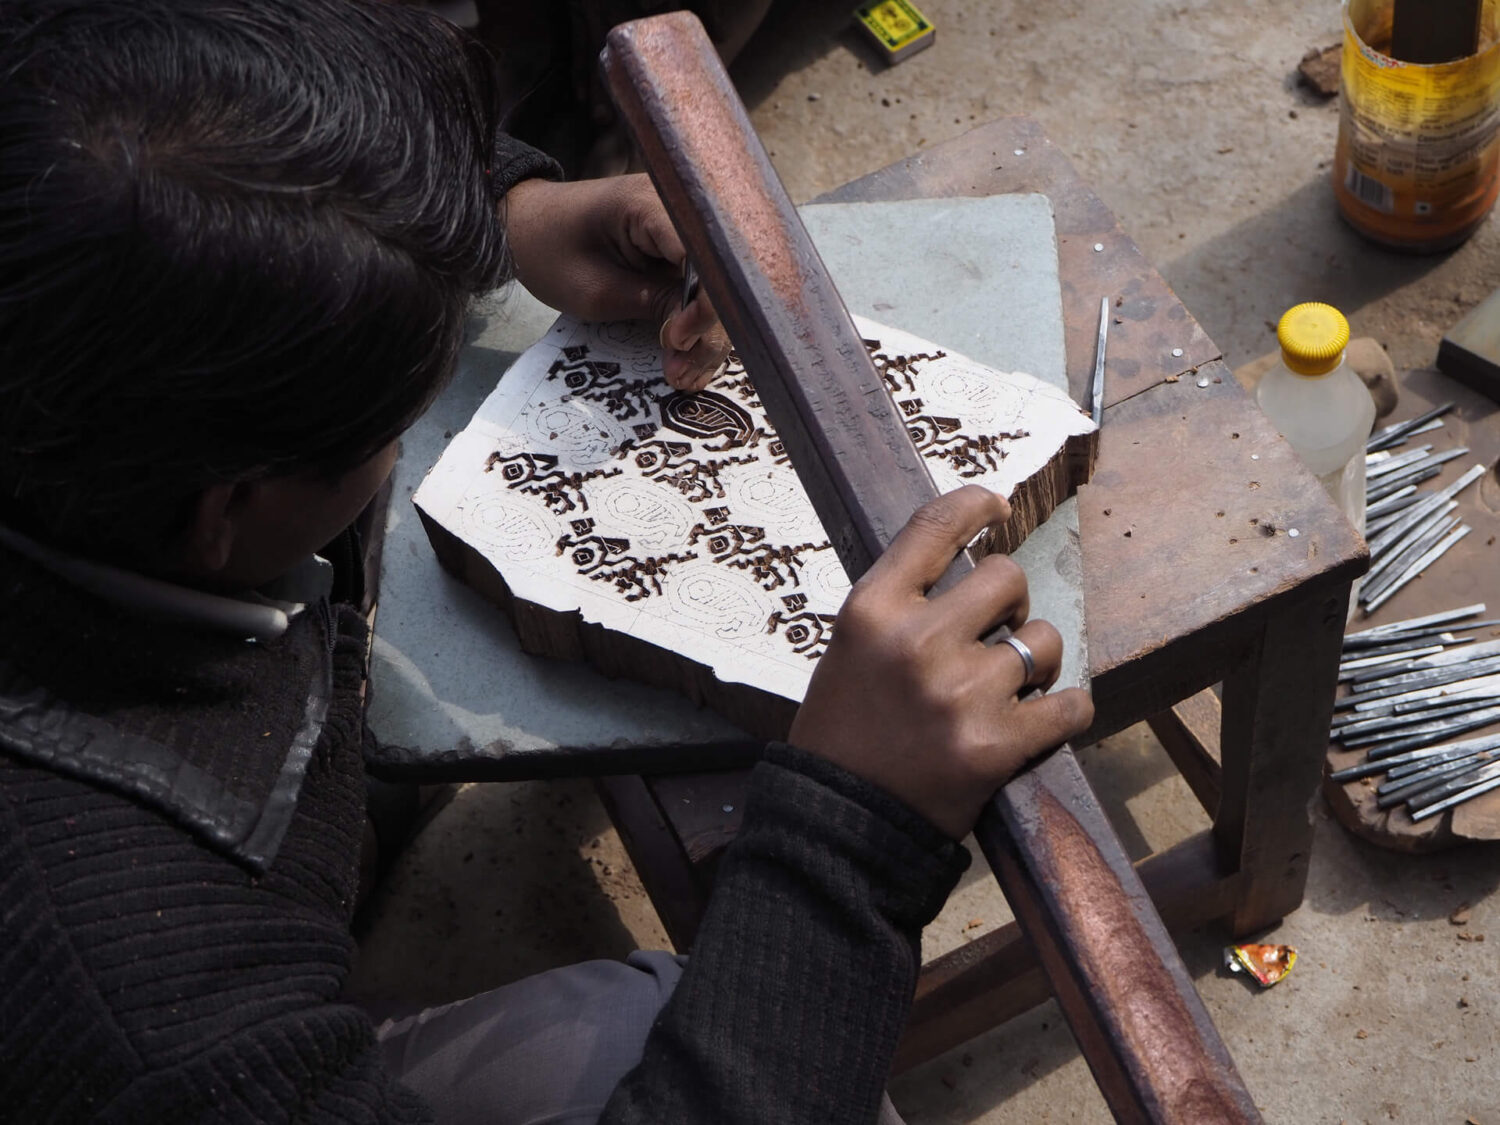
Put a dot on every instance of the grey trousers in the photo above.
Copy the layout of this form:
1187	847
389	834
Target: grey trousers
546	1050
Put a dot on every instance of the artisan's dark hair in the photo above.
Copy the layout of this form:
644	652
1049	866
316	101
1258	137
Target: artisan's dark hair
238	238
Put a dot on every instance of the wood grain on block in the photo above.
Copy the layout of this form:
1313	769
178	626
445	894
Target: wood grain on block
664	537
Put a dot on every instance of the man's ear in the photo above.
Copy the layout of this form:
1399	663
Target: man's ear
210	537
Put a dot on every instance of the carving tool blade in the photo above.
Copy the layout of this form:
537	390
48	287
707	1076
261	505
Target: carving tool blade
1412	624
1405	498
1434	797
1491	782
1400	431
1417	568
1393	462
1097	408
1368	768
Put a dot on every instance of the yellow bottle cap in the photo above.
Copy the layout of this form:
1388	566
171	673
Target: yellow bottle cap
1312	338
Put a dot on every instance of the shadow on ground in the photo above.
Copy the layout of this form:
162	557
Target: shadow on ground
792	37
508	880
1299	249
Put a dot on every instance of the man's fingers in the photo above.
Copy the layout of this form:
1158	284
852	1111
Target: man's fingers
994	593
694	343
1039	725
648	230
692	381
693	369
936	532
601	290
682	329
1046	647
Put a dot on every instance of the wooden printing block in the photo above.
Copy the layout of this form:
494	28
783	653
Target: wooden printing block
664	537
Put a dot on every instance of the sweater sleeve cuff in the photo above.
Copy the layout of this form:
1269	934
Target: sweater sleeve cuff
919	863
902	816
514	161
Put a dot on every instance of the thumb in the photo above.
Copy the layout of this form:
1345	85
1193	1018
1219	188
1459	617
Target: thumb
694	346
683	328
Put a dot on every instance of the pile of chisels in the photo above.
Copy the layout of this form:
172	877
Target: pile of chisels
1408	528
1415	685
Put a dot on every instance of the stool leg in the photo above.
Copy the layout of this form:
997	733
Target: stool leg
660	860
1277	707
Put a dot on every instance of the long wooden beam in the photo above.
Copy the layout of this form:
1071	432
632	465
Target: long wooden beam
997	976
1137	1018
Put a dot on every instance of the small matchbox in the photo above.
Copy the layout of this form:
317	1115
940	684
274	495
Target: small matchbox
897	27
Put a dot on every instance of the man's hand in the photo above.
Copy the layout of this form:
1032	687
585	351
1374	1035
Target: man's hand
605	250
909	698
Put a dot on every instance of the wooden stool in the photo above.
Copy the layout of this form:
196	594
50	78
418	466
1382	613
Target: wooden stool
1193	576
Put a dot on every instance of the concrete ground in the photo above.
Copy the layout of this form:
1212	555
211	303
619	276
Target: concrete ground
1186	119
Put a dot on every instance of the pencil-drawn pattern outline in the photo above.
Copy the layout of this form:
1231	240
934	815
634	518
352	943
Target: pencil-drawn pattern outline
710	559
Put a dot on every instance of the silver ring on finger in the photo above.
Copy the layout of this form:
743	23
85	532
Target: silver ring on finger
1028	661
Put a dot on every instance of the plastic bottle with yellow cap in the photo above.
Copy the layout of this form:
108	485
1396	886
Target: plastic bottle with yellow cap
1321	407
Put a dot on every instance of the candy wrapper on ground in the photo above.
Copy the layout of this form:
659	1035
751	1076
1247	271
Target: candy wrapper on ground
1268	964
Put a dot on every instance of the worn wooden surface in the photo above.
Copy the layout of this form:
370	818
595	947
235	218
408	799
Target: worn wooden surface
1189	545
1277	706
1189	732
1467	574
1149	1041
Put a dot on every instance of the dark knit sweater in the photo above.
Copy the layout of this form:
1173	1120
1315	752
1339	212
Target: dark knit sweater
148	972
145	974
802	973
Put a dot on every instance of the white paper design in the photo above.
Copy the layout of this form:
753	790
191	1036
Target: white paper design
591	485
